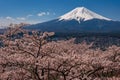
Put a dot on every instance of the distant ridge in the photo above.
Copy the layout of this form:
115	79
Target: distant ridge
79	20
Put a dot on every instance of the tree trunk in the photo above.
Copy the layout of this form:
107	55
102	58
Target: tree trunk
36	74
42	74
48	71
64	76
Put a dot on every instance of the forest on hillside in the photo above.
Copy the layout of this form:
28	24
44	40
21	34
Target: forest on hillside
25	56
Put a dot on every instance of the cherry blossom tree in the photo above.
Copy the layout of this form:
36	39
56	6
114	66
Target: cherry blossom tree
30	55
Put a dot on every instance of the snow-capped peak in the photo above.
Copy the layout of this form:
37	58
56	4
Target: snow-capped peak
81	14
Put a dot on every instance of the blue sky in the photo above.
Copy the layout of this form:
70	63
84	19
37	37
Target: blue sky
35	11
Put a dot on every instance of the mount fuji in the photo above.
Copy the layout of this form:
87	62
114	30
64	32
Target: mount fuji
79	20
81	14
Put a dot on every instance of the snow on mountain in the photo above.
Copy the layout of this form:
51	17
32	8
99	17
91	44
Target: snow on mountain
81	14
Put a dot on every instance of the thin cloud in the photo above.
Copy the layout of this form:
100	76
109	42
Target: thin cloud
9	18
30	15
54	13
5	21
48	13
21	18
43	14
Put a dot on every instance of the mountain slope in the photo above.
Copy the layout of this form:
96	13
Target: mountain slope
94	25
79	20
